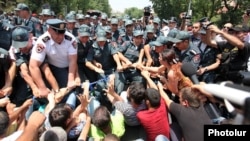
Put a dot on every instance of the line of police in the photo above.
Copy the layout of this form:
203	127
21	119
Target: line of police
60	54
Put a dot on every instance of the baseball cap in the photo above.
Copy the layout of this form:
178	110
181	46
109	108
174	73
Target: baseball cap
181	35
149	29
104	17
172	19
22	6
114	21
70	18
107	29
138	33
165	21
80	16
239	28
25	27
161	40
156	20
101	35
20	37
84	30
54	134
128	22
57	24
172	34
46	12
18	6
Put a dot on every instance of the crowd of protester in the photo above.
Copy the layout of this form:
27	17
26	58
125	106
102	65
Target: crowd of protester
92	77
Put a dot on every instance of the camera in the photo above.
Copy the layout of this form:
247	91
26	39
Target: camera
187	15
147	11
248	12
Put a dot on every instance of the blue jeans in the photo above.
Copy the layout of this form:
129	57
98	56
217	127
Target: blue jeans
161	138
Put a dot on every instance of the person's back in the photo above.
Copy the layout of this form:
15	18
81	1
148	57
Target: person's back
105	123
190	110
155	119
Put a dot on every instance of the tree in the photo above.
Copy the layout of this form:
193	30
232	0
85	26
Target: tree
59	6
219	11
134	12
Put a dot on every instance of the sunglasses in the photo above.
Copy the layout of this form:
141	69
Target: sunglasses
59	31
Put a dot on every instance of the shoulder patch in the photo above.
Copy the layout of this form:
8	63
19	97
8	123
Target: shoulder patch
114	44
196	58
67	37
45	39
74	44
39	48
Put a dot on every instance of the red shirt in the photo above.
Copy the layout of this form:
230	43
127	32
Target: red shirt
155	122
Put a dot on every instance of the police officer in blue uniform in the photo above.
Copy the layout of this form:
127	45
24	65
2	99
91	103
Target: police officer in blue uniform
132	50
23	85
5	34
71	21
114	28
29	20
46	14
128	32
186	51
149	34
104	60
84	44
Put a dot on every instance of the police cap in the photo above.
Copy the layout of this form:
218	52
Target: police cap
181	36
101	35
20	37
84	30
22	6
57	24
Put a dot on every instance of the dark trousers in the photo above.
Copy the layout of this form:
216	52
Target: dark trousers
122	78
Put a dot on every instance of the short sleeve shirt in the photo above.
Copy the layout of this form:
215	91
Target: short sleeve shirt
117	126
57	54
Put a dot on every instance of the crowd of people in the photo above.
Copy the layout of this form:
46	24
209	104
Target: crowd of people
93	77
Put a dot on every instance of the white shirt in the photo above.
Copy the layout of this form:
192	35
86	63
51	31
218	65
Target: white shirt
13	137
57	54
165	31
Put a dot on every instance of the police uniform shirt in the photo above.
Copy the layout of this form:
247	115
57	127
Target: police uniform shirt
115	36
154	55
192	54
130	51
82	50
35	25
104	55
57	54
18	56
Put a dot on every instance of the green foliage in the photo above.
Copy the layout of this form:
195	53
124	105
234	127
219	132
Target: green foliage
134	12
60	6
203	8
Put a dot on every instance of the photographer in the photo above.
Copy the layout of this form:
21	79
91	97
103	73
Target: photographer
147	15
